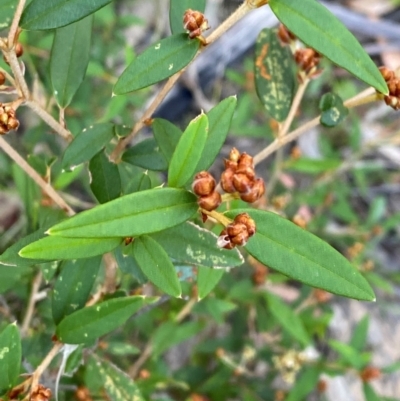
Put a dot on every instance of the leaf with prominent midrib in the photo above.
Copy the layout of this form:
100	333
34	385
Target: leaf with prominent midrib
90	323
69	59
73	286
161	60
55	248
40	15
156	265
293	251
274	74
188	152
131	215
320	29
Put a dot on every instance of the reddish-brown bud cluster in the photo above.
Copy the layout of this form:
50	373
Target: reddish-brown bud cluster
285	35
83	394
393	83
195	23
8	120
41	393
2	78
239	176
238	232
370	373
307	59
204	186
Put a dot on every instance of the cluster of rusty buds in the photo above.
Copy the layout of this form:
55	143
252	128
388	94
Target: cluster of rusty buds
195	23
204	186
41	393
370	373
393	83
285	35
307	59
239	176
8	120
238	232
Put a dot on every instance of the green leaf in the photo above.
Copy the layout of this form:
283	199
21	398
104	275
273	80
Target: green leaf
73	286
274	74
146	154
140	182
41	15
177	9
7	10
289	320
10	356
92	322
69	59
86	144
117	384
167	136
320	29
333	112
352	356
295	252
54	248
369	393
207	279
359	337
159	61
10	276
105	180
188	152
219	122
131	215
189	243
306	383
156	265
312	166
11	256
172	333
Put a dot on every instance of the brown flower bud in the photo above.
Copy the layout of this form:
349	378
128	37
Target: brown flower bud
386	73
227	181
370	373
203	183
224	240
245	160
245	219
299	221
285	35
13	123
238	234
19	50
229	164
392	85
2	78
3	131
210	202
322	386
195	23
256	192
234	155
322	296
247	170
3	118
242	183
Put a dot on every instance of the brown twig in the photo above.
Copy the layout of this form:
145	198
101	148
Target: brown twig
32	173
243	9
364	97
31	304
15	23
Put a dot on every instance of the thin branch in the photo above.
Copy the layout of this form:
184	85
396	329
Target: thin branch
31	304
18	75
355	101
32	173
44	365
15	23
49	120
243	9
